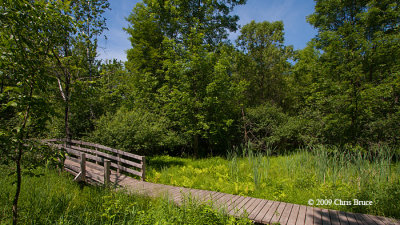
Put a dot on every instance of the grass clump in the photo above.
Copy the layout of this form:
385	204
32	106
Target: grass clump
53	198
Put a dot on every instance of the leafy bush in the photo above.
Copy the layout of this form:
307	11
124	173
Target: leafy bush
136	131
269	127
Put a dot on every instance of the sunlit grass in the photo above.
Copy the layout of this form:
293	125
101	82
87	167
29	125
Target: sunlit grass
318	173
54	198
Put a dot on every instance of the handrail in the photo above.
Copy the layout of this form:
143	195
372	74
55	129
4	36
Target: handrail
120	160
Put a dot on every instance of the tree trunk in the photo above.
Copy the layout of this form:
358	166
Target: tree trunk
18	159
17	192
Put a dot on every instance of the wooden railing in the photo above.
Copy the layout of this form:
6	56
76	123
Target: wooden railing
109	158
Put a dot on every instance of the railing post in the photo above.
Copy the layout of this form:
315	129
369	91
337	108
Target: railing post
119	163
97	163
83	167
143	163
107	172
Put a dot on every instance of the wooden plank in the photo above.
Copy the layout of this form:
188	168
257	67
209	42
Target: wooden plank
263	211
257	209
78	153
363	219
301	217
389	221
240	205
286	213
134	172
342	218
293	214
107	149
271	212
233	203
217	196
96	146
207	196
317	216
221	202
245	208
335	218
278	213
309	216
72	159
252	207
235	209
351	219
115	158
375	219
325	217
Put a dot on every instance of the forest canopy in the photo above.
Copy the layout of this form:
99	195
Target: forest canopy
186	89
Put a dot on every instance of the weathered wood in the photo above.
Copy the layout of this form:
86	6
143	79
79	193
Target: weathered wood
263	211
143	166
301	217
293	215
99	157
309	216
278	213
351	219
105	155
257	210
106	148
286	213
271	212
107	172
83	167
118	162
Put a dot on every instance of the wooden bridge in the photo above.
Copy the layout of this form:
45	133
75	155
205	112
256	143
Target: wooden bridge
96	163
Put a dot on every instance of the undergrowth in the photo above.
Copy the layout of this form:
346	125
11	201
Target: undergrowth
317	173
52	198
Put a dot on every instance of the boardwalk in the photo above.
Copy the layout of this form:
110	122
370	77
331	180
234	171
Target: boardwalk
259	210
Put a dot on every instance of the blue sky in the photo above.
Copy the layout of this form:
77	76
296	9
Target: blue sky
292	12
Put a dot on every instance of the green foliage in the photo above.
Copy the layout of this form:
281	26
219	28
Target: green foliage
265	61
323	173
54	198
136	130
268	127
200	97
356	89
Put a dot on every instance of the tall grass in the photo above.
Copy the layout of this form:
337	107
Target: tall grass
311	173
55	199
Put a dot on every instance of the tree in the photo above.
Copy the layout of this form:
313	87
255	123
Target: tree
154	20
265	61
359	40
200	96
30	32
175	67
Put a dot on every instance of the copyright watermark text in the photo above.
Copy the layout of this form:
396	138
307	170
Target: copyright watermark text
317	202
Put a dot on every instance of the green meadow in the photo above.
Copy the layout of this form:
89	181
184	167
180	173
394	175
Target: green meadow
325	174
48	197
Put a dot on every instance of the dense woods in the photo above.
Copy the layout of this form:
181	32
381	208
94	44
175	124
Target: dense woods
187	89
